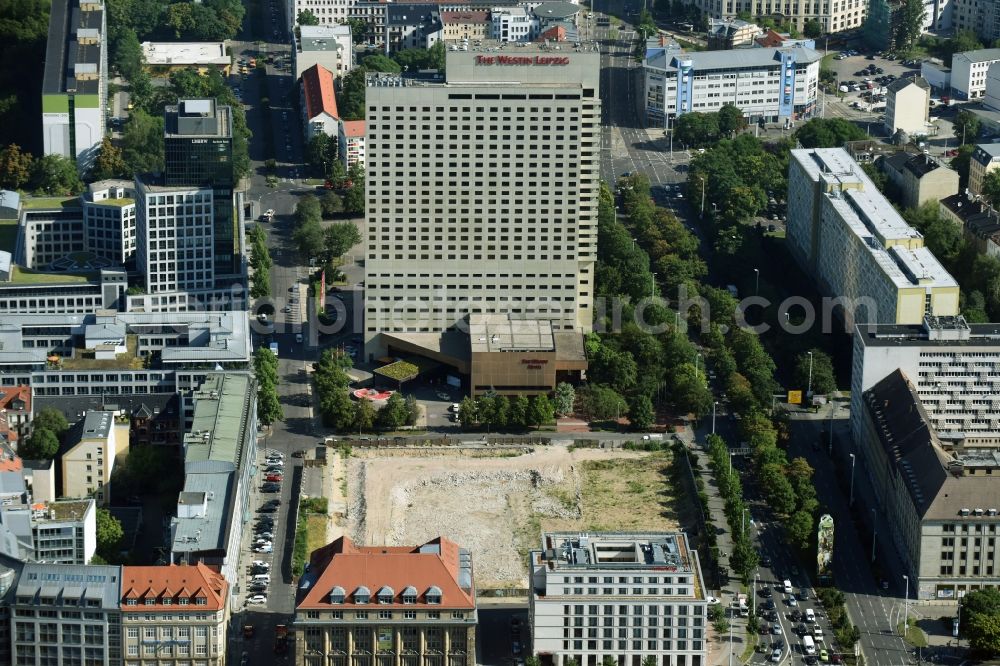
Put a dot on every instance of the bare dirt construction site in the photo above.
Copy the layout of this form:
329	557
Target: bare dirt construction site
497	502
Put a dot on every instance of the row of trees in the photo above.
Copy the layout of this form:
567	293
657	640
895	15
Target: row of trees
498	412
345	415
265	369
47	430
744	558
312	239
705	129
50	174
260	262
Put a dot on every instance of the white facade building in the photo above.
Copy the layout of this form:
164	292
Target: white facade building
175	237
513	24
641	595
351	142
845	234
329	46
764	83
907	107
968	72
109	221
61	532
834	17
456	224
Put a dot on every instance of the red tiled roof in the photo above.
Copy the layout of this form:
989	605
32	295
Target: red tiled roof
9	394
158	583
353	128
464	17
771	39
343	564
317	88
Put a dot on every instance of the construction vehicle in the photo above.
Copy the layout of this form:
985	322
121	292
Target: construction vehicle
280	639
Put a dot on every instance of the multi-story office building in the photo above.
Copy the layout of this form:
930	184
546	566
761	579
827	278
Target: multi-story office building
462	25
982	18
10	573
162	58
455	224
75	81
768	84
219	452
513	24
330	46
174	616
642	595
88	462
109	221
161	353
860	251
51	228
198	152
387	605
176	236
411	26
66	614
968	72
834	17
985	158
59	532
924	420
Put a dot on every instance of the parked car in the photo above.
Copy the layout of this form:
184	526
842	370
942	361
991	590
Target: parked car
257	599
270	488
277	478
266	509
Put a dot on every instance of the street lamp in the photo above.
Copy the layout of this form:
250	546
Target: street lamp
652	287
756	282
714	405
906	605
809	388
874	533
696	357
850	501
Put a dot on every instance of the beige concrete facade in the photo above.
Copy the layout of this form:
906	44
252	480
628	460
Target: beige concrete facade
427	639
834	16
985	158
87	465
907	107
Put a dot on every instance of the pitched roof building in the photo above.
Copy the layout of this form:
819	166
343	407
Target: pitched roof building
147	589
423	597
319	102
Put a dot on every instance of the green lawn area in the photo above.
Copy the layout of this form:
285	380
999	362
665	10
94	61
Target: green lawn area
118	202
25	276
51	202
8	235
914	634
315	531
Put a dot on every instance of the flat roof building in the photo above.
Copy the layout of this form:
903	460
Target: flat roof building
75	81
764	83
331	46
165	57
61	532
97	444
219	452
845	234
421	600
499	239
623	582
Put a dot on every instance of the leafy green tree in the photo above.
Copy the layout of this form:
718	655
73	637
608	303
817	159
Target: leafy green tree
364	415
731	120
519	408
501	412
828	133
338	174
127	55
991	188
351	101
541	411
617	368
740	393
339	238
337	409
908	23
468	412
967	126
943	237
641	413
110	162
109	534
777	488
744	559
381	63
824	381
331	204
52	419
394	413
306	17
565	397
321	153
690	392
55	175
268	406
309	239
41	444
600	402
354	199
799	529
697	129
15	167
812	29
265	366
142	143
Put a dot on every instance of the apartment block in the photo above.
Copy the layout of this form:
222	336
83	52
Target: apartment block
644	591
834	17
860	251
924	422
220	447
351	142
982	18
174	615
968	72
109	221
330	46
50	229
985	158
387	605
513	24
56	532
920	178
99	440
411	26
768	84
75	81
462	25
68	355
318	102
456	226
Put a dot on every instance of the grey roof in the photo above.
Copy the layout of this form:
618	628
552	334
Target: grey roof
919	335
209	532
986	152
899	84
197	117
411	14
9	201
6	259
11	483
736	59
74	406
556	10
63	51
322	37
97	425
94	581
979	55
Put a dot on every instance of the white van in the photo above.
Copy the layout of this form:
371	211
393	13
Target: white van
810	615
808	644
818	632
788	586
